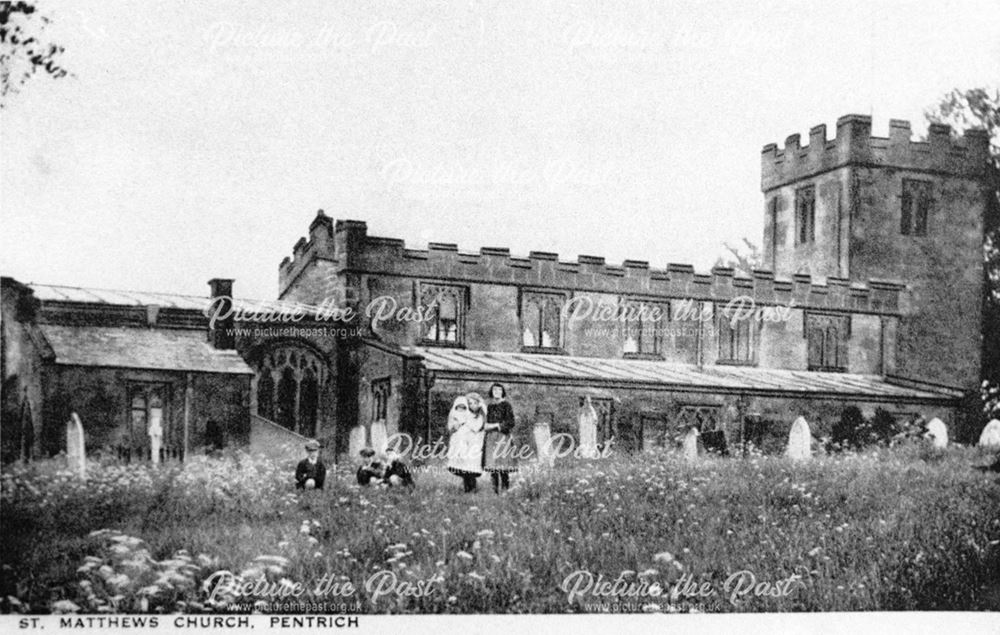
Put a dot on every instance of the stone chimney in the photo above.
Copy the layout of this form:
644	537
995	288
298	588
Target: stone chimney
222	336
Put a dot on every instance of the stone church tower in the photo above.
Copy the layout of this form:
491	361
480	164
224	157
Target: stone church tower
859	207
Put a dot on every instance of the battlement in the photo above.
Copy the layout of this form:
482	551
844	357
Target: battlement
965	156
351	250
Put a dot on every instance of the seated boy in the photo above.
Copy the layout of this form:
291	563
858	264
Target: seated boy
397	472
310	472
370	468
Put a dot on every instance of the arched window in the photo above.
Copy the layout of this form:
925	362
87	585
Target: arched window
265	394
308	403
289	380
286	398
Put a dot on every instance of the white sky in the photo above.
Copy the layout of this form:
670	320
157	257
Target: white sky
197	140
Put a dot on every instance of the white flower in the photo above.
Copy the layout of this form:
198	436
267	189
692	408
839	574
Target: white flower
465	555
64	606
664	556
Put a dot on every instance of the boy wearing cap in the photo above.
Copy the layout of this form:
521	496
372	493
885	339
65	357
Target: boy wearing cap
371	469
310	472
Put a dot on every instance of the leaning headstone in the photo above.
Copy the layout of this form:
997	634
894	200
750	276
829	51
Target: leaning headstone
990	438
588	429
799	440
691	445
76	450
543	443
937	432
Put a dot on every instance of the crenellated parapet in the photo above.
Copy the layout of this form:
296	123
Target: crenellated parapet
347	246
854	145
320	244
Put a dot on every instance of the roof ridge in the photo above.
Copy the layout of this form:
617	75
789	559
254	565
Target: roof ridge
163	293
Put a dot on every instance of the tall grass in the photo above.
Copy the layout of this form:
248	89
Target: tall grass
906	529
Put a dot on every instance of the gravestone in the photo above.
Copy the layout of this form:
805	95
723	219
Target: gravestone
937	432
379	436
990	438
76	451
799	441
588	429
155	434
691	445
543	443
356	441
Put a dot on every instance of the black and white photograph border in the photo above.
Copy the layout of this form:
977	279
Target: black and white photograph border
301	328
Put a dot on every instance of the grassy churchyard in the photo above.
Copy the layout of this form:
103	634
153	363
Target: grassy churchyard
911	528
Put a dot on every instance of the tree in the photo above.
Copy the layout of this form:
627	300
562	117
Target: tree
980	108
22	51
743	260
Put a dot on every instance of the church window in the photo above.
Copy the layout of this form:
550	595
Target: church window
644	327
827	337
915	206
805	215
288	388
444	309
736	338
541	319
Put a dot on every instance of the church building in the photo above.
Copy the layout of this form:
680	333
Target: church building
871	297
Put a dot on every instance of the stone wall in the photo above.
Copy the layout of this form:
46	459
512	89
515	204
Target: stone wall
99	396
21	408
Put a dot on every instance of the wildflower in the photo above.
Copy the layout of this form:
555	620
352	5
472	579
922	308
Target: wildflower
65	606
465	555
663	556
815	552
477	577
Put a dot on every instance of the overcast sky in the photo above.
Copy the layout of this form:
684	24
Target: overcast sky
198	139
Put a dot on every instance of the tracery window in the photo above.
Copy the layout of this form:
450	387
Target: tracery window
541	319
288	388
827	337
445	307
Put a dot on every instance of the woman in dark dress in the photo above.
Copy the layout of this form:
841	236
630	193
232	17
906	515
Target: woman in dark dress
498	450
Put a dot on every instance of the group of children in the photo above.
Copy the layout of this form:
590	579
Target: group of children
480	441
390	470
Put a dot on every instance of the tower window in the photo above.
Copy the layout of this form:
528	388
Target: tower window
915	207
805	215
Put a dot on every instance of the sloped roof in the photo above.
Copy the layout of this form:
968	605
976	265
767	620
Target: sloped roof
654	374
59	293
124	347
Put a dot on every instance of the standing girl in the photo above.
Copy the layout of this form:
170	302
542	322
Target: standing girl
465	446
498	451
